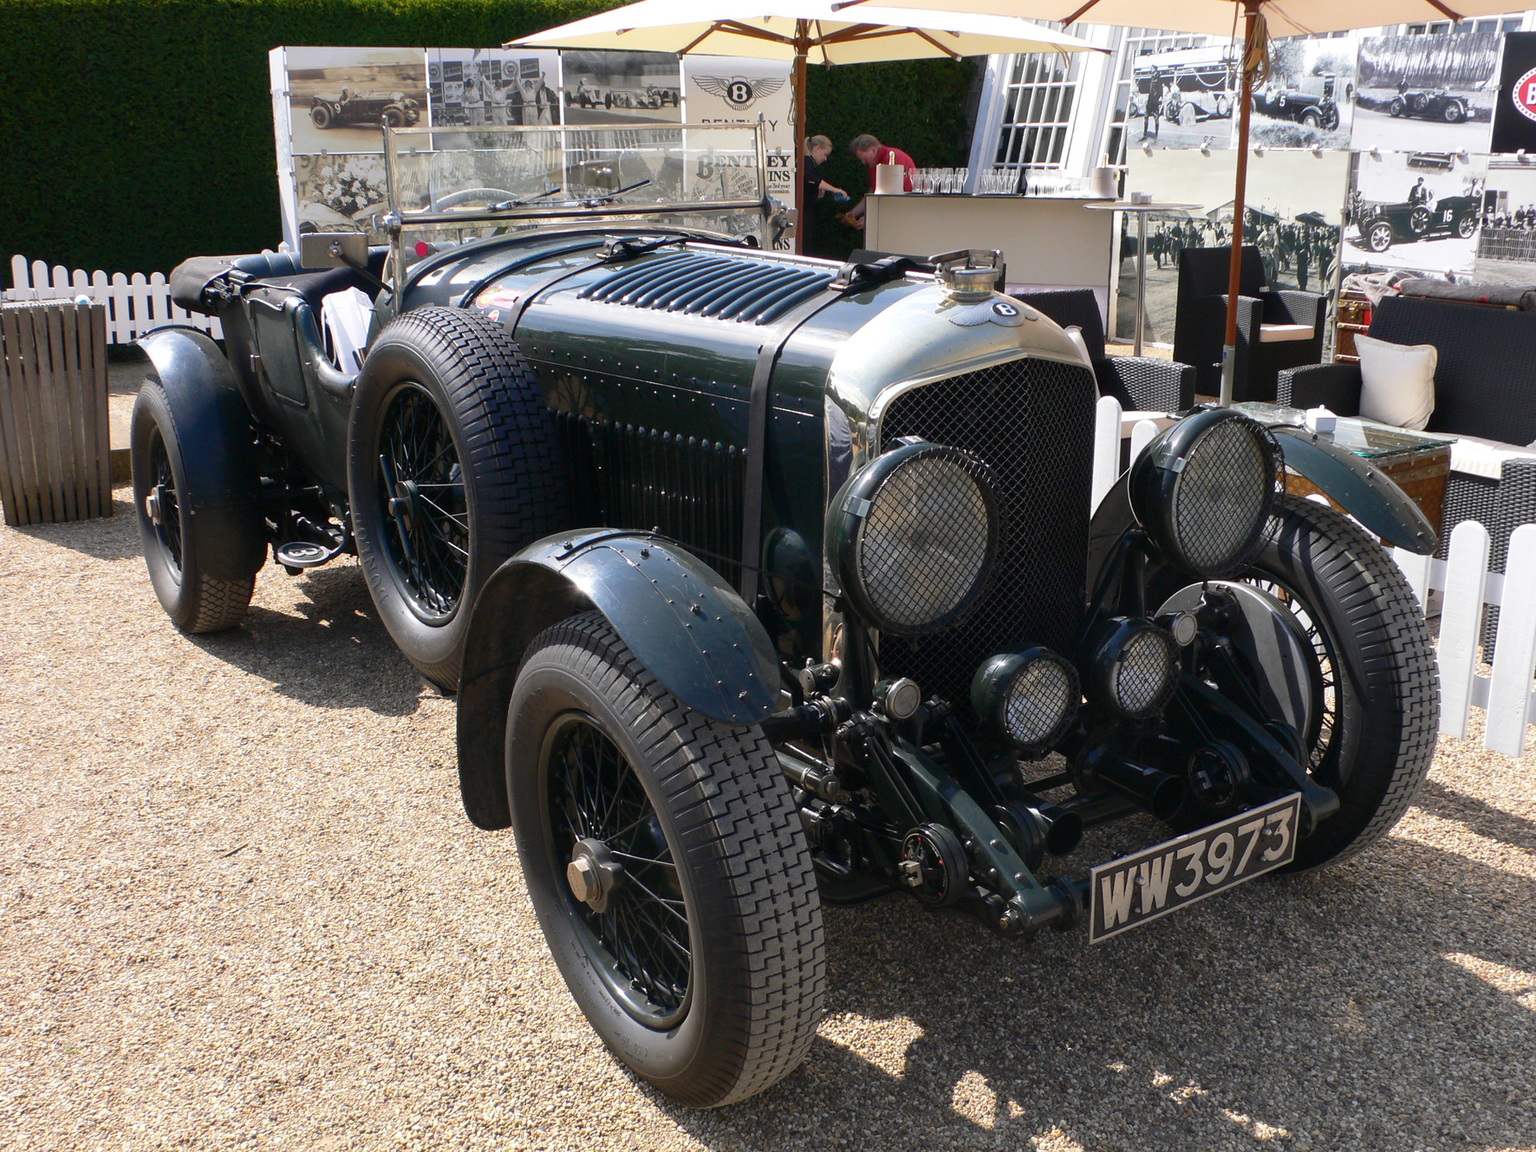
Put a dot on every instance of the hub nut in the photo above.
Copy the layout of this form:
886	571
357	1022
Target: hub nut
581	875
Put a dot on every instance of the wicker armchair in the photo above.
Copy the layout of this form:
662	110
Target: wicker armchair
1484	388
1275	330
1140	383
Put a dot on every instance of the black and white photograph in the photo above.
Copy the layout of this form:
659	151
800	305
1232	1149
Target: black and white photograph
622	88
1429	93
1421	210
479	87
340	97
342	193
1506	246
1184	98
1294	206
1306	102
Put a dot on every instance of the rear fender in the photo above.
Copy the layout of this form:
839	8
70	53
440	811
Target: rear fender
685	624
218	449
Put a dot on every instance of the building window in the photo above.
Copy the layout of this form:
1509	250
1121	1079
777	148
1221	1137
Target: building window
1138	42
1037	113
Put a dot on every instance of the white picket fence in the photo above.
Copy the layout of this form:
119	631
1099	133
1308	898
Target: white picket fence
1467	586
135	304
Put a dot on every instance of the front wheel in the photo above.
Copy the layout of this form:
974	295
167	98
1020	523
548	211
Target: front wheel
1311	119
452	466
1377	235
666	862
1373	734
1454	113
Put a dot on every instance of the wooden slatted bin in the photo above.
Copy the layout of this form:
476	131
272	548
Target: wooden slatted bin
55	458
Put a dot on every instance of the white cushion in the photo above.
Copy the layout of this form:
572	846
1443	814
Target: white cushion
1397	381
1475	456
1275	333
1075	334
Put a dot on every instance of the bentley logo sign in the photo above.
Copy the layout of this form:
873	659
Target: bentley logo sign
738	91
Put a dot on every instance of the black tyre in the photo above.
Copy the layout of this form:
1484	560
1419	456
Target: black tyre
666	862
1377	235
394	116
320	115
452	466
1374	725
1454	113
1466	226
1397	108
176	540
1419	220
1223	107
1311	118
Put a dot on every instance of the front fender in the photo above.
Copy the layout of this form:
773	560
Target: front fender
1362	489
684	623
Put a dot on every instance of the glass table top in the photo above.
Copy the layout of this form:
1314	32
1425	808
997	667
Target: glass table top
1363	437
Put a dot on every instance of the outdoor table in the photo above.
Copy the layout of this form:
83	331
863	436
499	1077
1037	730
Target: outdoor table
1141	212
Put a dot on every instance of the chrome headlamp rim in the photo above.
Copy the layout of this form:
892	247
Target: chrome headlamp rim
848	524
1212	448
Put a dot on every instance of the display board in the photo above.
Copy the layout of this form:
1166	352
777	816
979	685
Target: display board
328	104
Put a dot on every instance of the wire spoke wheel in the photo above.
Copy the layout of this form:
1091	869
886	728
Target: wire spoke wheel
421	486
1319	739
665	858
165	510
639	940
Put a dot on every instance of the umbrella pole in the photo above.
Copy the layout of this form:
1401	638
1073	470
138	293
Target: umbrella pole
799	97
1235	268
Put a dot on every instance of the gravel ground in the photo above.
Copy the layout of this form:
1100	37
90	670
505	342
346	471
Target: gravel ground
242	908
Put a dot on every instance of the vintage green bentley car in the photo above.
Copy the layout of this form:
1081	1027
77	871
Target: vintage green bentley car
765	582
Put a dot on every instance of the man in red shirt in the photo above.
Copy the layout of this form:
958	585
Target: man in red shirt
872	153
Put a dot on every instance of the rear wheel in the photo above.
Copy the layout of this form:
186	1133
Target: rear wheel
666	862
1465	226
320	115
1397	108
452	467
173	535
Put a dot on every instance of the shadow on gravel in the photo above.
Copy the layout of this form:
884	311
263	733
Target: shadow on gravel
109	538
1478	817
335	654
1354	1027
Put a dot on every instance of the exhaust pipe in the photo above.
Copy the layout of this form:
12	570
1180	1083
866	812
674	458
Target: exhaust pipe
1156	791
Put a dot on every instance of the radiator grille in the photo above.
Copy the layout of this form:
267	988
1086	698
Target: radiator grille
1032	422
689	488
704	284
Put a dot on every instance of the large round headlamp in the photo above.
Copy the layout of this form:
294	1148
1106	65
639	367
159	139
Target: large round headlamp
913	536
1203	491
1029	698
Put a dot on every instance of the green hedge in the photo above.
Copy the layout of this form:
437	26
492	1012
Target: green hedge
140	131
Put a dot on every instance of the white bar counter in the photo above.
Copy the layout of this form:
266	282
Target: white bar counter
1047	241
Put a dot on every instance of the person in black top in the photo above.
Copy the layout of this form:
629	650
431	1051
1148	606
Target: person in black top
817	149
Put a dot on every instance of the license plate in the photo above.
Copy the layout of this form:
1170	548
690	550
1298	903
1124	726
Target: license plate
1138	888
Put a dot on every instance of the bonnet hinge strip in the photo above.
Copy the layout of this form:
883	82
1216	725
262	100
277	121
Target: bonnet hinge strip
759	404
